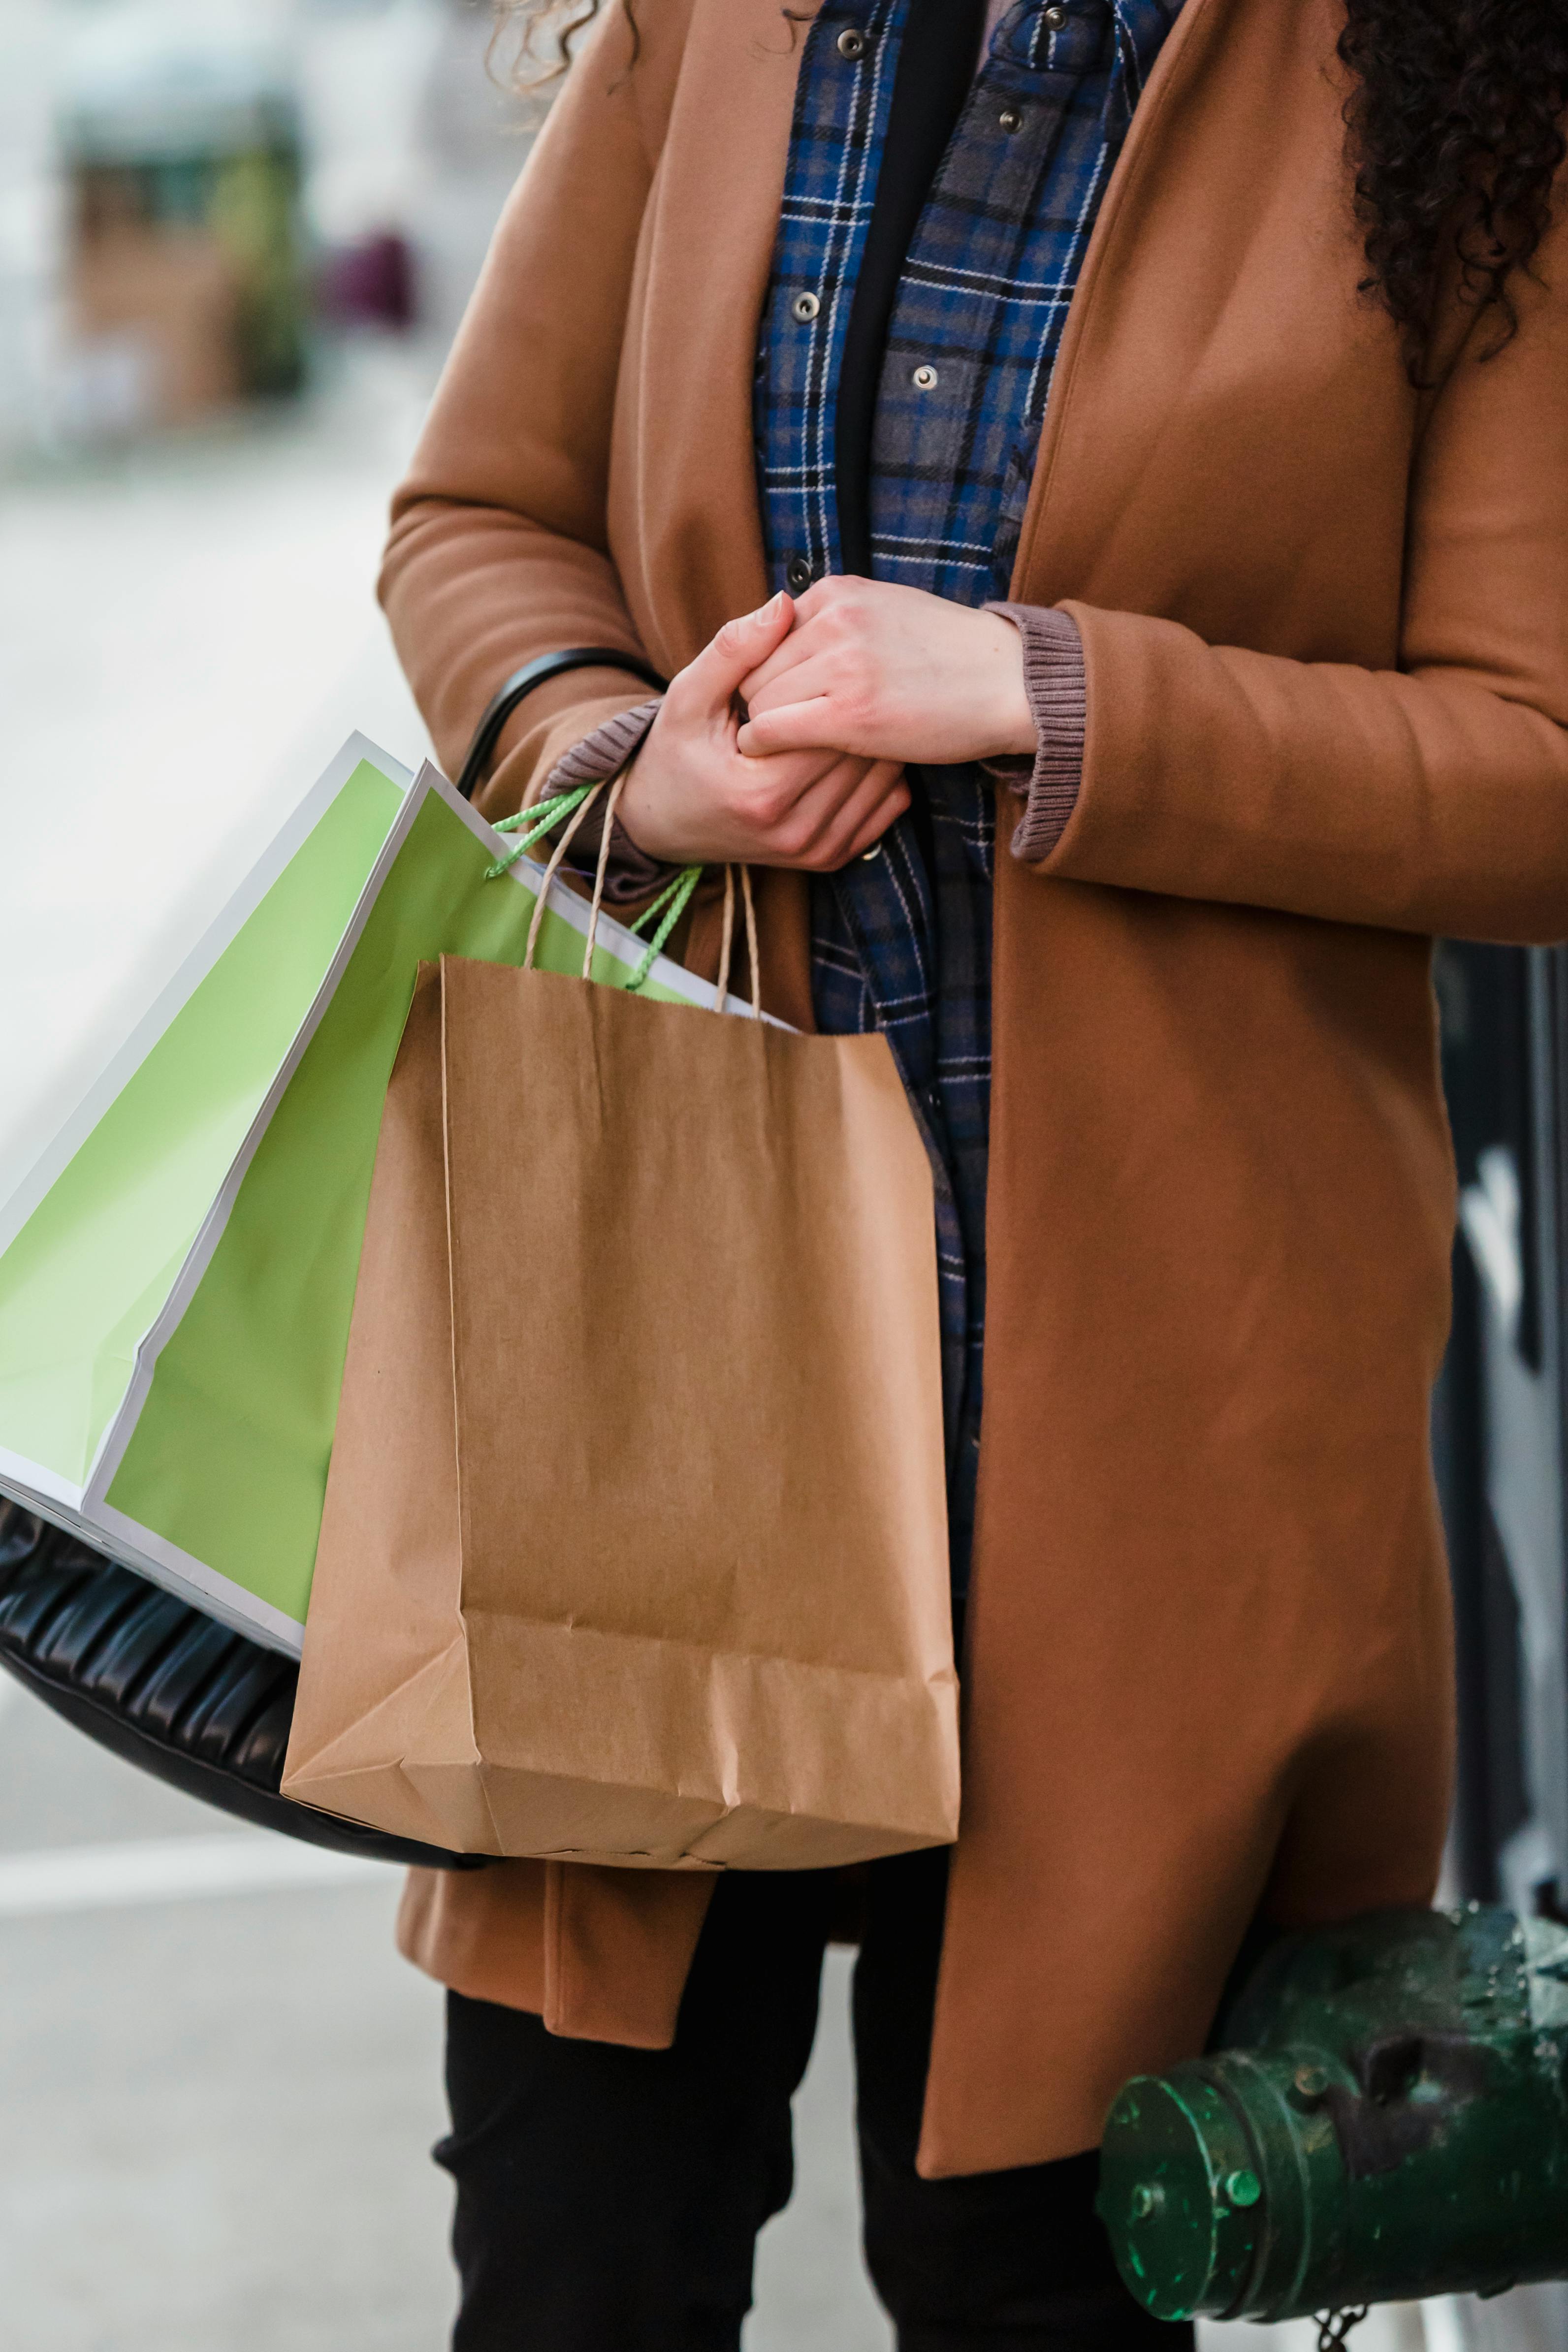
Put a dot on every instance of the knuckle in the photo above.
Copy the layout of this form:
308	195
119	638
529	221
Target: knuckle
796	837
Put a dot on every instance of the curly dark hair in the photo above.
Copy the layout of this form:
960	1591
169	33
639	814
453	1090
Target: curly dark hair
1456	131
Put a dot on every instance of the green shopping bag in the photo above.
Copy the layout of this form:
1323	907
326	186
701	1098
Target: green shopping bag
178	1261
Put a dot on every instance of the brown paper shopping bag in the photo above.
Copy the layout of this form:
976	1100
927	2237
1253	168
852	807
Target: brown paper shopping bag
635	1541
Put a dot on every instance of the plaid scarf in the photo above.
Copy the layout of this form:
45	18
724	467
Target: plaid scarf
902	942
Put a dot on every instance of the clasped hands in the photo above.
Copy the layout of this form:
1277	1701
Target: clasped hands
784	743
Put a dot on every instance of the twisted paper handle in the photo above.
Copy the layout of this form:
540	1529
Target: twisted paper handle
671	903
727	941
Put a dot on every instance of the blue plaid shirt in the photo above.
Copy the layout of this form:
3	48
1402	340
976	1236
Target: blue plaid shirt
975	326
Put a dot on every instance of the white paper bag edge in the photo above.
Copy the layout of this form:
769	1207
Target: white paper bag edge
55	1153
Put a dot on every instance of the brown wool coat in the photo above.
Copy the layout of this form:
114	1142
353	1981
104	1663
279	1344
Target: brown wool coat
1326	626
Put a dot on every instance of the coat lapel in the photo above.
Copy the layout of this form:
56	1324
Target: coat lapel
1197	30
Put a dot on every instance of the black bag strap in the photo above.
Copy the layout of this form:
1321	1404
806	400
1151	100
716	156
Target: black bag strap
523	681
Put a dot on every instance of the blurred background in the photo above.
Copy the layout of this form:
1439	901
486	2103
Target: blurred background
204	207
234	243
236	238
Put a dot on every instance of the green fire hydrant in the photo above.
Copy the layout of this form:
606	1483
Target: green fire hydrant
1386	2117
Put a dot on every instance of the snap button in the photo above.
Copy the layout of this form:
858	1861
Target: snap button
1011	119
797	572
851	43
805	307
924	378
1055	16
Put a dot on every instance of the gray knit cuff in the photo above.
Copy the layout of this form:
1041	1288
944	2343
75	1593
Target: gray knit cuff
631	873
1059	699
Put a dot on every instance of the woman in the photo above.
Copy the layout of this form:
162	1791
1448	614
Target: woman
1152	421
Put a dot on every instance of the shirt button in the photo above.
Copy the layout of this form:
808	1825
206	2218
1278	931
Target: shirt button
798	573
1055	16
851	43
805	306
1011	119
924	379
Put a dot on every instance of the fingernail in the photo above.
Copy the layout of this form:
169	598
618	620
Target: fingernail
770	611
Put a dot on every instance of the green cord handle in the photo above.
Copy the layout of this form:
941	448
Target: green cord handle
539	819
674	900
542	816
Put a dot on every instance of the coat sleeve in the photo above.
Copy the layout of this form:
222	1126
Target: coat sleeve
1430	799
498	550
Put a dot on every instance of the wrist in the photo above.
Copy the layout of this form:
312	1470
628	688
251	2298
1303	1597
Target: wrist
637	822
1017	735
637	811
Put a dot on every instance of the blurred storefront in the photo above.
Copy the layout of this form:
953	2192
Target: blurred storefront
185	279
201	199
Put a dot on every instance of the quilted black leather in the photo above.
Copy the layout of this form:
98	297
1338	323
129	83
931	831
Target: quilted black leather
165	1687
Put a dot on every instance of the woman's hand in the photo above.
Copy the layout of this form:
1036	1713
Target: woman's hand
890	674
690	796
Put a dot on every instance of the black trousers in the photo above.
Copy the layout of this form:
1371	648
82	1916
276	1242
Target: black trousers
609	2200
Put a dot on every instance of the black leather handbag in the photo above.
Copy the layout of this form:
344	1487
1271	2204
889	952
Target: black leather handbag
160	1685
